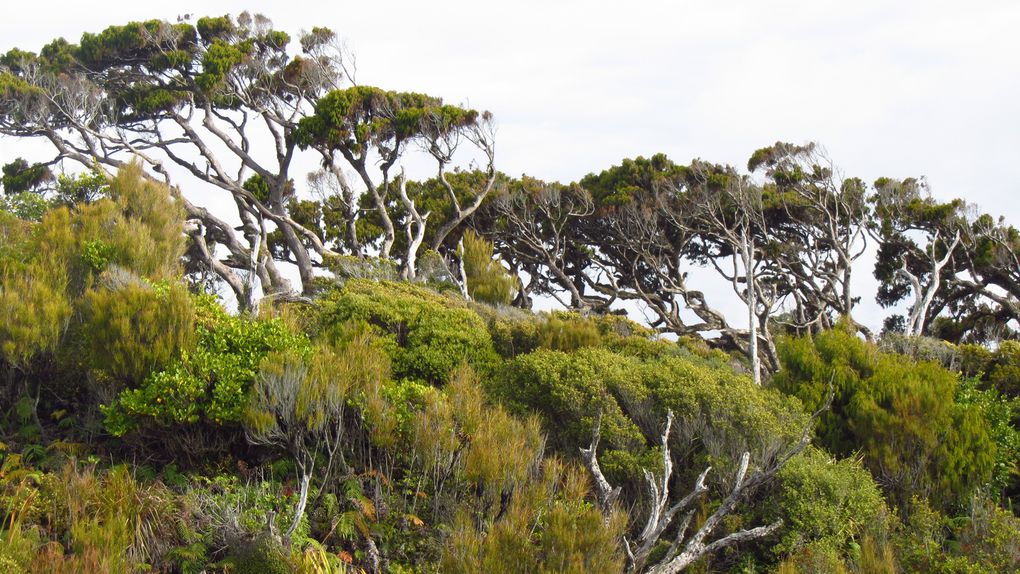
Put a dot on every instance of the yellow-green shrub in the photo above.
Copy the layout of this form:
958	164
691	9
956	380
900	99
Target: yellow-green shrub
131	330
487	280
210	381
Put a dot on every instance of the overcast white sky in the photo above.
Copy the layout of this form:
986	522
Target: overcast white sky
889	88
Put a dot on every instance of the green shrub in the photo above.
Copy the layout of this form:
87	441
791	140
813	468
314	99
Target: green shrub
548	526
901	414
568	332
825	503
209	382
429	334
987	540
1000	413
487	280
569	389
1004	369
135	329
719	412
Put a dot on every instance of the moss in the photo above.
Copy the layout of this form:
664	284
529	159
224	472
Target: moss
264	555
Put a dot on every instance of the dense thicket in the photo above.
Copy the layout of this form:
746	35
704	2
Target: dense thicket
403	410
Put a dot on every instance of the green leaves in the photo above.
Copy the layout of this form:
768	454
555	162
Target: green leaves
825	503
355	118
138	43
211	380
903	415
428	334
211	29
19	176
218	60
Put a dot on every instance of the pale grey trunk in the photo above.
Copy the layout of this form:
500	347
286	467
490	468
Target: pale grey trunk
747	245
299	512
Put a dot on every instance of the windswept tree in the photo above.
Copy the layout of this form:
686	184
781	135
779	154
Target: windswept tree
364	128
958	267
984	301
917	240
197	97
819	222
221	102
643	239
658	221
733	237
535	227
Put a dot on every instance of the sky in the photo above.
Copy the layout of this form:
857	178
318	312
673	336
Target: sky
896	89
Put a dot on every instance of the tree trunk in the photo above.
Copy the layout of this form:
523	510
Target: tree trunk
299	512
747	245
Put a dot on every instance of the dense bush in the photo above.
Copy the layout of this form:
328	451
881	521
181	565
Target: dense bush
131	330
210	381
827	505
902	415
986	540
50	269
429	334
487	280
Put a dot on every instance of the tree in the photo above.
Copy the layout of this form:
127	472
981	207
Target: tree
958	265
362	124
730	216
818	220
534	226
658	220
917	239
984	300
178	94
641	242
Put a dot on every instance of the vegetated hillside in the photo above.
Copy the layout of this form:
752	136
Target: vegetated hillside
395	426
397	408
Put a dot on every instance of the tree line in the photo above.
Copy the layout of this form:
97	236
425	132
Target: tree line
227	103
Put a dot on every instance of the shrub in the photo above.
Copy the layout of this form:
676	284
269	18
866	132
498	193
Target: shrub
466	445
209	382
109	521
987	540
487	280
720	413
133	330
902	415
548	526
569	389
825	503
428	334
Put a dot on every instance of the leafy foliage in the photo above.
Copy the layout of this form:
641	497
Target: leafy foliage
826	504
428	334
903	415
209	382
